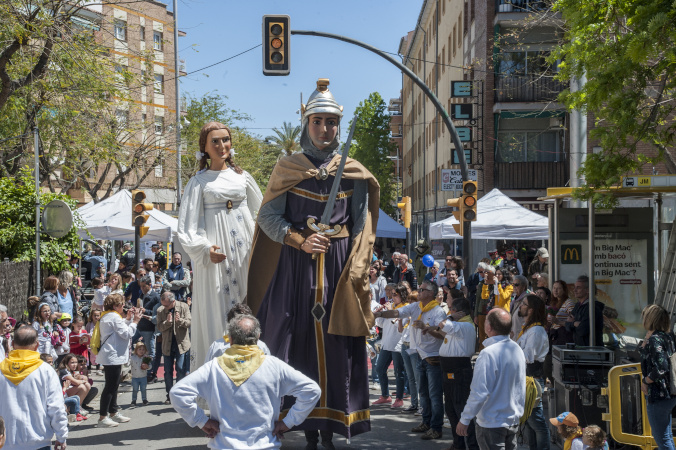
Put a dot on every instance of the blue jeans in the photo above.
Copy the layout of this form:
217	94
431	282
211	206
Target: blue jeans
374	361
411	373
431	393
136	384
384	359
537	429
659	417
174	357
73	404
149	340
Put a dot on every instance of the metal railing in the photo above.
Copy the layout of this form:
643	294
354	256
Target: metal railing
519	5
530	175
527	88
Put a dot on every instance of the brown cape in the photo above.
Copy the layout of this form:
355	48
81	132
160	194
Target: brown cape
351	311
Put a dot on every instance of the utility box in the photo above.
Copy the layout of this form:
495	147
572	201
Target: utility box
623	259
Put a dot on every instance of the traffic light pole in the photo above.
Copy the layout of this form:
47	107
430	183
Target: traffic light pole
455	138
137	246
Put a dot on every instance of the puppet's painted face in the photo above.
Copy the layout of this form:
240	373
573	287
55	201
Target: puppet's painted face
322	129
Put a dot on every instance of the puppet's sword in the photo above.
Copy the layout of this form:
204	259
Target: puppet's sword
324	227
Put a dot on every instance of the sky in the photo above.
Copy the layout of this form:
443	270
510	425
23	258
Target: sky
219	29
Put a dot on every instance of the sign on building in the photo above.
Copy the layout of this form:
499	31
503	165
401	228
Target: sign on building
451	179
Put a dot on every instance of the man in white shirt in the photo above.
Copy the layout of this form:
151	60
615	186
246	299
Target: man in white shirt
218	347
426	313
459	341
3	321
498	391
534	342
32	399
243	388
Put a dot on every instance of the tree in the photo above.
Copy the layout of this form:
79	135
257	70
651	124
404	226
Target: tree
287	140
17	234
626	49
373	146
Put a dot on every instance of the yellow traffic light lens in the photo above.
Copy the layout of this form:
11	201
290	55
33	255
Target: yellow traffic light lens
138	209
276	57
469	201
276	43
276	29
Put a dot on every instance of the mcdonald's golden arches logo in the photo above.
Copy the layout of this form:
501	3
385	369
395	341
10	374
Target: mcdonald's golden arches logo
571	254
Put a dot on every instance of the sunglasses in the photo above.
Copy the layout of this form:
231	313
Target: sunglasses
449	260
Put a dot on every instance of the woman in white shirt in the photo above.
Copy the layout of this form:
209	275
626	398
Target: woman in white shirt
116	334
391	351
377	282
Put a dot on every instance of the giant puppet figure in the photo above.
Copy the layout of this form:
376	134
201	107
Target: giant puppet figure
215	227
310	290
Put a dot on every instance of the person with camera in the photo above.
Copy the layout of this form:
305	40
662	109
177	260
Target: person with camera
116	327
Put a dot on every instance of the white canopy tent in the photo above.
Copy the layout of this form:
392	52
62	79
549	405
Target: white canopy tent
498	217
111	219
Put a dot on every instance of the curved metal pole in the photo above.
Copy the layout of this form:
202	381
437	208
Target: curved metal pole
421	84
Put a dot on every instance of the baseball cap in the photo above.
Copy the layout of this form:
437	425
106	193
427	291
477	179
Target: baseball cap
490	252
565	418
543	252
66	316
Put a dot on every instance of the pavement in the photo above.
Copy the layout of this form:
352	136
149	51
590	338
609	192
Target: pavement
158	426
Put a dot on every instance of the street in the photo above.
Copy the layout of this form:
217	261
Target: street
158	426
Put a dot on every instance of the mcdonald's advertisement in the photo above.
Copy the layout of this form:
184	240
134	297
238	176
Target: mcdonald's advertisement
620	272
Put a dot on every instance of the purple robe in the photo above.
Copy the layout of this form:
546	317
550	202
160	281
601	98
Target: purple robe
291	331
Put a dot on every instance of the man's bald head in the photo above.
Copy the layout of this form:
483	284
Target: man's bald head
499	321
25	338
244	329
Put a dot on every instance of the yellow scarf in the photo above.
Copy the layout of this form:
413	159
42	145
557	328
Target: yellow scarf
239	362
525	328
467	319
19	364
226	338
430	306
569	442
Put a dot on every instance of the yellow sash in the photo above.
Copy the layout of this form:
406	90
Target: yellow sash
430	306
525	328
569	442
239	362
19	364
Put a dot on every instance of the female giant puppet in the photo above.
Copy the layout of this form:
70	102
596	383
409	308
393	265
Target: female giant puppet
311	292
215	228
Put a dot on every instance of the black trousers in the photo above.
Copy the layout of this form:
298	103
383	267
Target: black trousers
109	393
313	436
457	379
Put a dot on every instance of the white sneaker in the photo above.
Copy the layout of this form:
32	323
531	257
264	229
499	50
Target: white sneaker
72	418
107	422
119	418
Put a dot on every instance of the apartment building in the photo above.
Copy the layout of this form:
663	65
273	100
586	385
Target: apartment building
140	39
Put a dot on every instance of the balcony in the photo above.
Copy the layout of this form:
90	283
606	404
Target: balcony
530	175
527	88
519	6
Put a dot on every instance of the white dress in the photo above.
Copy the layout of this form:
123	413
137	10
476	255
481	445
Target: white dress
205	220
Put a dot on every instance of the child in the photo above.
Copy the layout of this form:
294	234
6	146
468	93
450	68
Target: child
47	336
94	317
79	384
46	357
140	363
72	403
63	328
126	279
79	338
100	293
569	429
594	438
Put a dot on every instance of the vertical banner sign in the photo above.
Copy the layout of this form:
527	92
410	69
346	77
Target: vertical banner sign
621	274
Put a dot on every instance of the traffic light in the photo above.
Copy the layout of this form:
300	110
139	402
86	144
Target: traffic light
457	203
405	207
469	200
138	211
276	54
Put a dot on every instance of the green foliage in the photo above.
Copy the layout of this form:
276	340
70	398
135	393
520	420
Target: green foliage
286	140
17	224
627	50
372	146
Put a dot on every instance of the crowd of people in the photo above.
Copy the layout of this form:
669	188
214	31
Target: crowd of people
286	346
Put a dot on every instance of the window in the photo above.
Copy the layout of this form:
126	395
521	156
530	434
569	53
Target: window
122	117
529	146
142	32
158	171
159	83
120	30
454	41
159	124
144	118
121	74
157	40
525	63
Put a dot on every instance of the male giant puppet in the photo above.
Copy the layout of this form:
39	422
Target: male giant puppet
309	291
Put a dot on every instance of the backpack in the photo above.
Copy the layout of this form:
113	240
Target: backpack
533	395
